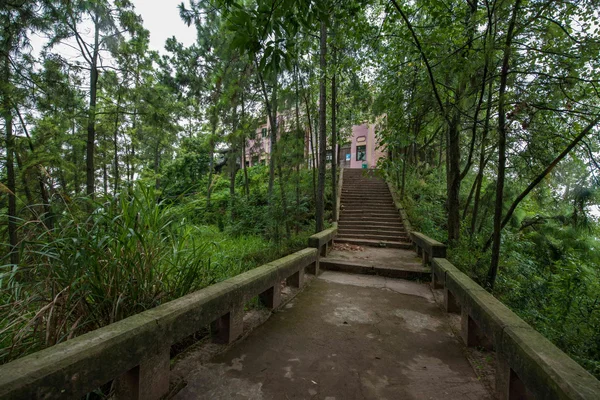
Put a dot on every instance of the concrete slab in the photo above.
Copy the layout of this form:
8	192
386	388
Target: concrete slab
344	337
388	262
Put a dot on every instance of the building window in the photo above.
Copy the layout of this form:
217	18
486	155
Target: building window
254	160
328	155
361	153
263	132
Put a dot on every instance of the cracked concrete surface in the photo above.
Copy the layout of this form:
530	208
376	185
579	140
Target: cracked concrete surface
344	337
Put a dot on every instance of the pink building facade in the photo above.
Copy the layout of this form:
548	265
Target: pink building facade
363	149
360	150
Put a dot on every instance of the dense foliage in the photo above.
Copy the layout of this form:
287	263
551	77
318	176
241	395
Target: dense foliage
124	176
492	111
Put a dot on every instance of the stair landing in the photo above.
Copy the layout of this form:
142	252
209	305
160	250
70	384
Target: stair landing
388	262
345	337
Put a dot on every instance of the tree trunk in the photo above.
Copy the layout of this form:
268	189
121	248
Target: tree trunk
116	144
300	144
10	167
320	206
246	185
157	165
334	142
312	148
91	123
493	271
482	158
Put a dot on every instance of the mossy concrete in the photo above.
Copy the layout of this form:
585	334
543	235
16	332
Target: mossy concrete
319	239
73	368
345	337
391	263
547	372
432	247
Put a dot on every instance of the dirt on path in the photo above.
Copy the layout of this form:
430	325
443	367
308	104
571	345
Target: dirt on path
344	337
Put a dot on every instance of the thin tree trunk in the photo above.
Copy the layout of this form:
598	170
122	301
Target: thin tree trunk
116	144
300	144
10	168
320	206
482	159
312	148
493	271
91	123
157	165
246	185
334	142
211	160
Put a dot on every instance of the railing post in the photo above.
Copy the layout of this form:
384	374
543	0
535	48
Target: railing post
450	303
435	282
425	258
271	298
230	326
297	279
147	381
508	384
324	250
313	268
472	335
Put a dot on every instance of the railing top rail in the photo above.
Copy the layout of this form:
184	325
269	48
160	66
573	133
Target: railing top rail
545	370
425	240
319	239
78	366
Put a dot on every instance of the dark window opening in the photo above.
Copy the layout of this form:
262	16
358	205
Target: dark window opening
361	153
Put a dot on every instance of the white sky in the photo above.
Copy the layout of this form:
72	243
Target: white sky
161	18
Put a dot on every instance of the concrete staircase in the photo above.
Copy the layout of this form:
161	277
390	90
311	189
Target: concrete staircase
368	216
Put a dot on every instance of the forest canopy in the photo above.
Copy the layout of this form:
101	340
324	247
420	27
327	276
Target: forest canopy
488	111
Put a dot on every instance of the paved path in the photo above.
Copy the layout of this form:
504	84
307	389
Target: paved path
345	337
389	262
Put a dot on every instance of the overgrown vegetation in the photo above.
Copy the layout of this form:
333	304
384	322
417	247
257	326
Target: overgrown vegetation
488	110
549	259
134	252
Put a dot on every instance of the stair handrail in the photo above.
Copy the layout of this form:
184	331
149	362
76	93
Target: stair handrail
528	364
135	351
338	205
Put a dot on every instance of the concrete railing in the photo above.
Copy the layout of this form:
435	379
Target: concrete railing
528	366
405	222
338	204
427	248
323	240
134	352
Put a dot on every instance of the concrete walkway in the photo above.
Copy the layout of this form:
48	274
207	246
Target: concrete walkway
344	337
388	262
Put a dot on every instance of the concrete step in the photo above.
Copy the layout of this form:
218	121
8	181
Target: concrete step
365	191
369	199
374	211
369	213
374	236
395	223
394	230
359	224
359	184
385	236
422	274
396	244
369	204
375	218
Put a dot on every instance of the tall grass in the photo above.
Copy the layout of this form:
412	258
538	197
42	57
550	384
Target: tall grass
132	253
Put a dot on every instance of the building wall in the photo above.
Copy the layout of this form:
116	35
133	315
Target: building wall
362	135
